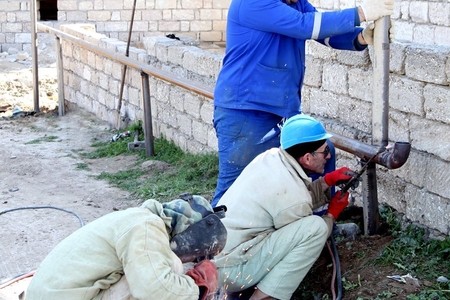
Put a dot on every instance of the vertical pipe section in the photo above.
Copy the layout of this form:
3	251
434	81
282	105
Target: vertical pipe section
148	129
34	55
60	70
124	67
380	119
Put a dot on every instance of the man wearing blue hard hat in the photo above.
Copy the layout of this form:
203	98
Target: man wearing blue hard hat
273	237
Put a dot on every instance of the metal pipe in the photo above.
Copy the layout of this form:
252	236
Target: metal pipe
34	55
148	129
61	103
124	67
380	101
152	71
390	157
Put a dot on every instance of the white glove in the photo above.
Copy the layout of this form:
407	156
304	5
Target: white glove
375	9
367	33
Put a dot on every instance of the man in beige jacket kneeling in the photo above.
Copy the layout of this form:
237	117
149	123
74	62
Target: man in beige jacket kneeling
273	236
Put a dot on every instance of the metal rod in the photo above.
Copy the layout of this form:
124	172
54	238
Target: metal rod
148	128
370	203
34	55
392	159
60	70
124	67
380	102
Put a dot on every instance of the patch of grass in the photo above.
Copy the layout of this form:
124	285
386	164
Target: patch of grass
82	166
192	173
413	252
46	138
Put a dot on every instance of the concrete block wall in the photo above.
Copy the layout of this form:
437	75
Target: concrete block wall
93	83
337	89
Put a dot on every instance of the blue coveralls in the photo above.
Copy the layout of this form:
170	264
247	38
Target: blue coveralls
262	75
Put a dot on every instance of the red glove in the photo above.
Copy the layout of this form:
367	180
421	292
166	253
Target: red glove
206	278
337	204
339	176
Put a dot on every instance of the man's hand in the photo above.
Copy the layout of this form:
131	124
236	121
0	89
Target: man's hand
337	204
339	176
367	33
375	9
206	278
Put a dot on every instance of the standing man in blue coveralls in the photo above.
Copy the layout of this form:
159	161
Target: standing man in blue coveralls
260	83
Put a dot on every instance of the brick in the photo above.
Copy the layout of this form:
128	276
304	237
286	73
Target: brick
191	4
397	58
357	114
426	64
423	34
76	16
168	26
211	36
437	180
398	126
313	71
439	13
199	132
165	4
220	4
112	4
206	111
353	58
441	36
406	95
334	78
86	5
427	209
152	15
192	105
183	14
404	31
210	14
391	190
22	38
184	124
116	26
323	103
430	136
68	5
418	11
437	103
11	27
358	84
201	25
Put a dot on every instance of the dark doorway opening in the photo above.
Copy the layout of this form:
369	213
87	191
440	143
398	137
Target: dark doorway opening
48	10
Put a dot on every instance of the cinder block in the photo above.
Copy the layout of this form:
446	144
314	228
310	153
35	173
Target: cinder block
404	31
431	136
437	102
406	95
397	58
398	126
391	190
334	78
200	132
439	13
437	179
354	58
184	124
426	64
359	85
424	34
192	105
427	209
67	5
418	11
191	3
207	111
313	72
439	33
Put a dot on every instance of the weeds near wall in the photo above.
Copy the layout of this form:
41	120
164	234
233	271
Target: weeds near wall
185	172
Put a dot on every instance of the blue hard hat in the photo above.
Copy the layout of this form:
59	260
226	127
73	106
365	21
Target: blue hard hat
301	129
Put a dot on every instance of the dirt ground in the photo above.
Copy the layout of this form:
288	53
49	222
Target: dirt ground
40	166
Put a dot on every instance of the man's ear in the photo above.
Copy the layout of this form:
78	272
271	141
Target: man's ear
305	160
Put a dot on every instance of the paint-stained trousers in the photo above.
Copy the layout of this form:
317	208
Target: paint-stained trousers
278	267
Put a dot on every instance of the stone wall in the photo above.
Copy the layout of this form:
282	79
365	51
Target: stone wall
201	20
337	90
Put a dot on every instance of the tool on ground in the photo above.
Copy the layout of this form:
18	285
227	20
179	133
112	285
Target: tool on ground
136	144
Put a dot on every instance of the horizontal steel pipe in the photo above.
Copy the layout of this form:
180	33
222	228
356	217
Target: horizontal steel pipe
391	157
